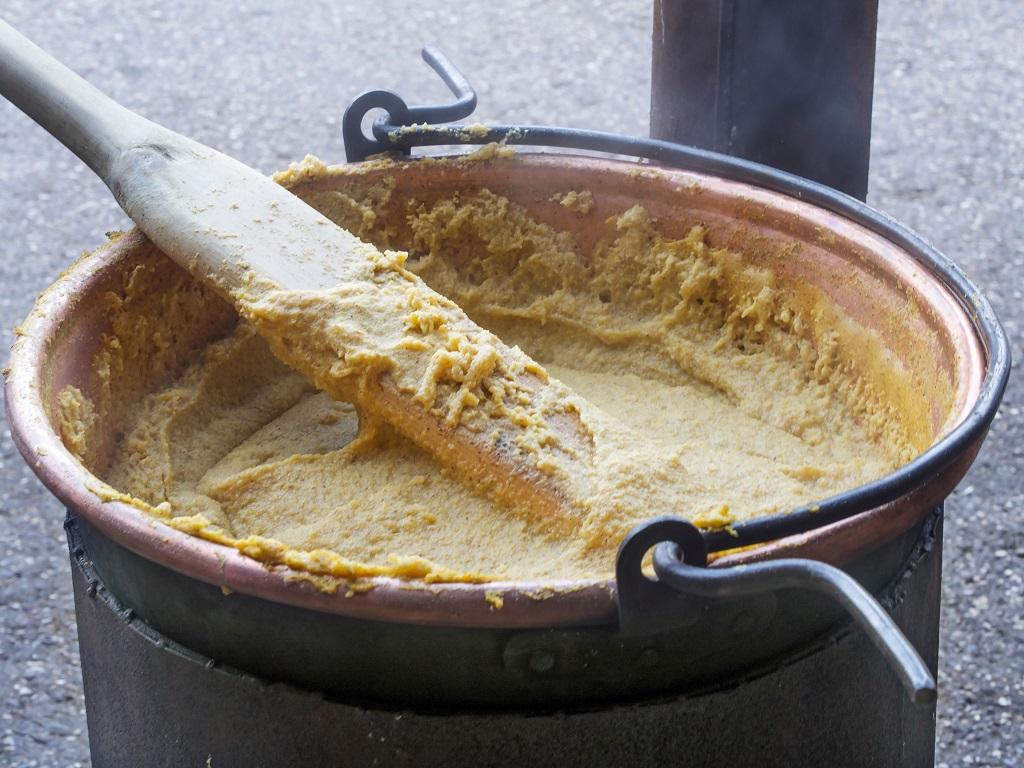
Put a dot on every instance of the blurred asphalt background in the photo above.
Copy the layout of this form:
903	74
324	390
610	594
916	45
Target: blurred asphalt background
267	82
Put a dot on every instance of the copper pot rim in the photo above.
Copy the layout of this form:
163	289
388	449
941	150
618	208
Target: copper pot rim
525	604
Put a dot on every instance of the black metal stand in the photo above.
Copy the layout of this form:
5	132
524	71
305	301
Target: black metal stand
786	83
833	703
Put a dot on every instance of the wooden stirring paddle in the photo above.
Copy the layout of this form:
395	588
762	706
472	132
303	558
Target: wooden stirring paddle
335	308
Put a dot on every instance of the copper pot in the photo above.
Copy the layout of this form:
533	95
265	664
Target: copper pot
951	344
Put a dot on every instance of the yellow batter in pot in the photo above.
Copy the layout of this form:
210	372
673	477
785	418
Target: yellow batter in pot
704	389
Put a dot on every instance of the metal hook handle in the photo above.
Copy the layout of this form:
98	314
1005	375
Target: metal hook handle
398	115
679	563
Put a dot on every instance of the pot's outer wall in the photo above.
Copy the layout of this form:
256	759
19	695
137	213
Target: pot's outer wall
834	703
401	664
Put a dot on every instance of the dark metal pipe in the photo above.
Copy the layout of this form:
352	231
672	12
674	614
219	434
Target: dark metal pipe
786	83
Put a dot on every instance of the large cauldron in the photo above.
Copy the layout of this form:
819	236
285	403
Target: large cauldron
446	647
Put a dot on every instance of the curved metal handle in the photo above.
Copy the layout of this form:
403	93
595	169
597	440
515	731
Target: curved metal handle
358	146
745	580
465	96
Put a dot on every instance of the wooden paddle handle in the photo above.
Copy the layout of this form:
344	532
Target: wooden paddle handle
85	120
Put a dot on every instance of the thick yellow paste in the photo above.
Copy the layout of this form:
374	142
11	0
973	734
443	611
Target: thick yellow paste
673	378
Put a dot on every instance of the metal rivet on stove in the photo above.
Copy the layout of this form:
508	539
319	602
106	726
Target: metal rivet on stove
542	660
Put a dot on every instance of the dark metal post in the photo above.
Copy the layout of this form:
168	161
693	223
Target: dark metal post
787	83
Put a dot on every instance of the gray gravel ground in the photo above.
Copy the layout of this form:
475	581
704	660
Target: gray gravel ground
267	81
